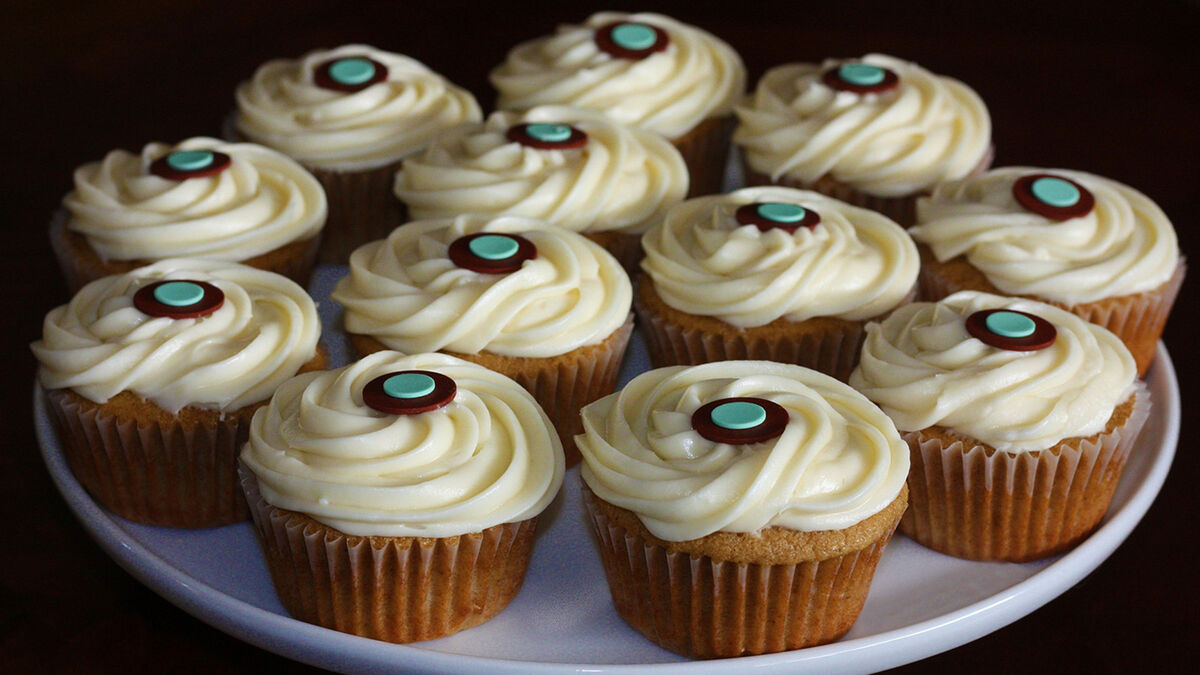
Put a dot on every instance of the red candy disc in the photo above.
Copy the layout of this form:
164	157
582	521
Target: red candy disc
1042	335
529	135
376	394
612	39
163	168
149	300
755	214
462	253
1026	189
329	75
776	419
834	79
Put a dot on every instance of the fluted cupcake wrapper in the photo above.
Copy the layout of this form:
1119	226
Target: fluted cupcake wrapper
705	149
975	502
398	589
625	247
362	208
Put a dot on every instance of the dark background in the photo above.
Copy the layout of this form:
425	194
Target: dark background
1069	85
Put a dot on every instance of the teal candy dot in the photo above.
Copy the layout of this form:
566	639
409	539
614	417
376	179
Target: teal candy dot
781	212
494	247
409	385
352	71
1055	192
861	73
189	160
178	293
1010	324
549	133
634	36
738	415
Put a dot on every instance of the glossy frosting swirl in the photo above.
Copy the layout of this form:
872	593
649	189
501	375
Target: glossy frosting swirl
899	142
854	264
669	92
1124	245
621	179
405	292
99	345
488	457
838	461
261	202
281	106
924	369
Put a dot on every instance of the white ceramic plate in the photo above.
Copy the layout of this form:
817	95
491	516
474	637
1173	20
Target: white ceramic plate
921	602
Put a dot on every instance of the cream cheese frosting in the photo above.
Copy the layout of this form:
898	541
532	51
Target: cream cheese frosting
263	200
669	92
407	293
928	129
281	106
99	344
1124	245
924	369
621	179
838	461
490	456
854	264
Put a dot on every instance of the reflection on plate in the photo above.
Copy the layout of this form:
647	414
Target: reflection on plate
920	603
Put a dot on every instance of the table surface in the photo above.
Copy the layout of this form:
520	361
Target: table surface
1068	84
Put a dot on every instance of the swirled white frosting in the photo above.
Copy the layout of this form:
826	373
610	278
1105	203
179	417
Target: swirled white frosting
260	202
854	264
838	461
99	344
488	457
924	369
928	129
1124	245
669	92
406	292
281	106
621	179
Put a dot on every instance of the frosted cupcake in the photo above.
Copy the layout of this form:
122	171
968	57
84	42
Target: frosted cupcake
571	167
152	377
770	273
1019	417
396	498
202	198
543	305
350	115
1088	244
875	131
644	70
740	507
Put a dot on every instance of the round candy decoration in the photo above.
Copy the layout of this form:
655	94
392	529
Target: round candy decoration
547	136
1054	197
861	78
349	74
409	392
489	253
184	164
631	39
776	215
740	420
178	299
1011	329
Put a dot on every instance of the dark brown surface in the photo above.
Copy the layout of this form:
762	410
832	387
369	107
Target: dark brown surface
1069	85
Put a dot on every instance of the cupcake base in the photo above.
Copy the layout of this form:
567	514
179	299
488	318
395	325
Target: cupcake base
625	247
705	149
362	208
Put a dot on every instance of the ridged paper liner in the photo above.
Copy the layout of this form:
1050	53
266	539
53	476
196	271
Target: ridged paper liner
972	501
362	208
705	148
624	246
398	589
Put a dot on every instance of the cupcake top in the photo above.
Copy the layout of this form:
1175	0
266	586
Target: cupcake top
881	125
178	333
1018	379
760	254
645	70
738	446
200	198
351	108
571	167
1065	236
502	284
426	445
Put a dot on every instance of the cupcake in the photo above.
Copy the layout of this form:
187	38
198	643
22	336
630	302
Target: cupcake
875	131
770	273
350	115
568	166
1019	417
396	498
543	305
202	198
1088	244
152	376
644	70
740	507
